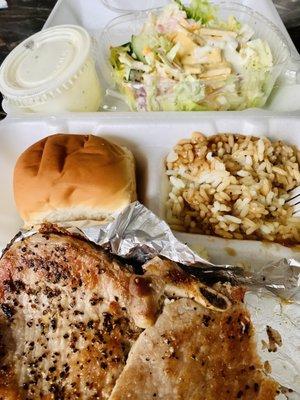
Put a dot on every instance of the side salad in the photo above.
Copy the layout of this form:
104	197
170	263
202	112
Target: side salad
186	59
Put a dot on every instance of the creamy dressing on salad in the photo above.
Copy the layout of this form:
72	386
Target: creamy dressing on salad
186	59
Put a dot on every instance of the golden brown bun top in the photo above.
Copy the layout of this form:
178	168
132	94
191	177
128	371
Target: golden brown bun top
67	177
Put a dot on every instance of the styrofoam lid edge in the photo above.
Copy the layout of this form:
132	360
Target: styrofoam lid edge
118	6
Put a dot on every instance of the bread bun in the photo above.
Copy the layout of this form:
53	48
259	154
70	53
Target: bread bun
73	177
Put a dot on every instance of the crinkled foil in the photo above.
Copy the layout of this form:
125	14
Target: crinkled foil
138	234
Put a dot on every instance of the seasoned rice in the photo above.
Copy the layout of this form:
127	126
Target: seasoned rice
233	186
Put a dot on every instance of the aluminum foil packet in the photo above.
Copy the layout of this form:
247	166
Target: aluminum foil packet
138	234
273	297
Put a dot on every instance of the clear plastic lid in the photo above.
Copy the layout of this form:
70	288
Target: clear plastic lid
44	64
133	5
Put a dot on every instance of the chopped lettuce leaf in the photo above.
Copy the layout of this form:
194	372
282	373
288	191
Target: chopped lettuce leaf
232	24
189	93
199	10
150	85
126	59
173	52
129	93
256	84
245	33
255	88
165	44
115	53
262	56
170	19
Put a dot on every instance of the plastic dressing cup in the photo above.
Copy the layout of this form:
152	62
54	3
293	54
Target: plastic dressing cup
120	30
52	71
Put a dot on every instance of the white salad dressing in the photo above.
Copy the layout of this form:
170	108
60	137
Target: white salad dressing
52	71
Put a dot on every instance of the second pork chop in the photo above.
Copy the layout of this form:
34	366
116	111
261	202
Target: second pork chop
193	353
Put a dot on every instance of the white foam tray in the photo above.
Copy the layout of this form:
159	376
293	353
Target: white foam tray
94	16
150	137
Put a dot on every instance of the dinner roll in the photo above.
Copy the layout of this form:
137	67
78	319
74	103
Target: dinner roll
73	177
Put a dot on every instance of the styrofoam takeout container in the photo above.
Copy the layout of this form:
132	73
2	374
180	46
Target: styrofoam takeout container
150	137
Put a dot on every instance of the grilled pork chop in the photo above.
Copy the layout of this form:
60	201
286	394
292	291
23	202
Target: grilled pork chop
77	324
68	318
193	353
